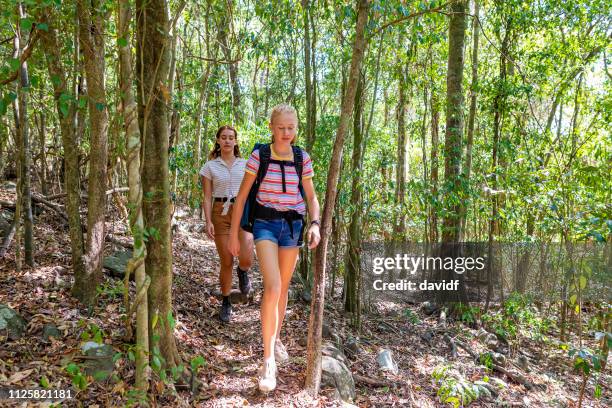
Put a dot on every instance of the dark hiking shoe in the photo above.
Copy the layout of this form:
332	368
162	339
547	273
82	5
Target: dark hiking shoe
244	282
226	310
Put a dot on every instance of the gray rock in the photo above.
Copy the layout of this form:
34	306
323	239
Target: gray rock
330	350
12	322
491	341
336	374
385	361
352	346
9	185
498	358
5	223
327	331
481	334
306	296
101	365
429	308
50	330
303	341
523	363
117	262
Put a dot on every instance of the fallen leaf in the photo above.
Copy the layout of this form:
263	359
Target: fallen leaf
18	376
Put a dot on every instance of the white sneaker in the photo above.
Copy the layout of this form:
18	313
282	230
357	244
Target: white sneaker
267	376
280	352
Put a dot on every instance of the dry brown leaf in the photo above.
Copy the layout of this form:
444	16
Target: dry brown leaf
19	376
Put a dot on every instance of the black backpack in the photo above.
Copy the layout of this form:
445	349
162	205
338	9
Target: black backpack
265	158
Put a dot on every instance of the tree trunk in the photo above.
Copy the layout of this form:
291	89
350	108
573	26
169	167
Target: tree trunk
400	177
153	47
353	258
66	114
313	368
454	120
25	154
42	134
223	28
91	35
435	119
471	117
132	136
311	101
452	150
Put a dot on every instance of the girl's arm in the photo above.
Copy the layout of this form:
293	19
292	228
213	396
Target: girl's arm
207	188
314	235
243	193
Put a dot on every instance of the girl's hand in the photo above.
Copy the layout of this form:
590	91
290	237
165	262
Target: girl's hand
314	236
233	245
210	230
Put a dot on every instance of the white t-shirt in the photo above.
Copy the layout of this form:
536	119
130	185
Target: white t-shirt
225	180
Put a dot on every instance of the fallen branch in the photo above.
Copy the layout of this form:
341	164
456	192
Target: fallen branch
83	195
371	381
55	207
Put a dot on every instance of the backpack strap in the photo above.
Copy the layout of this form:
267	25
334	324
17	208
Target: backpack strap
265	153
298	159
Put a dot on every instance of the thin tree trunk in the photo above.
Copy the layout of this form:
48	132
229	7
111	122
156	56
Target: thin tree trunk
223	28
132	136
152	67
66	114
471	117
313	368
400	177
91	36
42	133
25	154
353	258
435	119
454	119
311	113
453	149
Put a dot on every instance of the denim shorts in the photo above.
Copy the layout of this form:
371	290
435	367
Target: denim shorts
278	231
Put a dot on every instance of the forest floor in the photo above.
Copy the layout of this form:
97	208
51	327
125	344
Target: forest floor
421	343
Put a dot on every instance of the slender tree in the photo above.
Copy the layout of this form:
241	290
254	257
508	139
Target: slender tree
132	136
66	112
152	67
91	35
313	369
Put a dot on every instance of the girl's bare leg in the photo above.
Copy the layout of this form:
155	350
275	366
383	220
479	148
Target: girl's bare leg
287	259
267	254
227	263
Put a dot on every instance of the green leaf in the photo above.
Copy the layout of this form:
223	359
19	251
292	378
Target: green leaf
43	26
64	108
154	322
82	102
197	362
55	79
583	282
573	299
100	106
14	64
26	23
100	375
122	42
171	320
44	382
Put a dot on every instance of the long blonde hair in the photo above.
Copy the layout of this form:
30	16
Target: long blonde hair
279	109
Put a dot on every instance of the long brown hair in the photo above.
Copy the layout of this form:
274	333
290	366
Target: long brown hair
216	150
